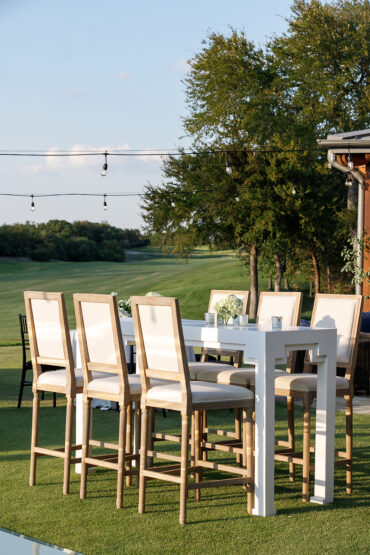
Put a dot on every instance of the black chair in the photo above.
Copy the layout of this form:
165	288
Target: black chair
27	364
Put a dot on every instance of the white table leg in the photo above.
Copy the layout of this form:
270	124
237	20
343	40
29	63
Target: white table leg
325	426
264	433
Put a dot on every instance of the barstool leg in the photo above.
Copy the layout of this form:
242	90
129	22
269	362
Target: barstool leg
21	387
121	454
85	445
185	424
34	436
143	459
196	440
68	445
137	440
238	432
248	459
129	442
291	440
306	447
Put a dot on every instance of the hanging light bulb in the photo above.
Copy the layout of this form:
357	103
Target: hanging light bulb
32	204
228	168
173	204
294	192
350	163
105	205
105	165
349	181
237	199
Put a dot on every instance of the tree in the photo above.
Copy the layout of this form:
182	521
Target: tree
240	99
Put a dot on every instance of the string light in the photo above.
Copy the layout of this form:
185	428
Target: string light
105	206
32	204
237	199
105	167
294	192
228	168
349	181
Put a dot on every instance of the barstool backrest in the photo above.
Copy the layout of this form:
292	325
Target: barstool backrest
48	331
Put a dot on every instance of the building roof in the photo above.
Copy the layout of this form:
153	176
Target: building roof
357	141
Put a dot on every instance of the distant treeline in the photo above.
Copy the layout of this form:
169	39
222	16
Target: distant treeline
62	240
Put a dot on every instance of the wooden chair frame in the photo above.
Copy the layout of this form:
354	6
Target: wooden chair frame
70	390
187	408
344	458
122	460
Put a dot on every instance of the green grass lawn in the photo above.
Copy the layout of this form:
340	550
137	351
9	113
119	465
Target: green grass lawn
190	281
218	523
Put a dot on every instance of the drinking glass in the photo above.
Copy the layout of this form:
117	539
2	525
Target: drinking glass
210	318
277	322
243	320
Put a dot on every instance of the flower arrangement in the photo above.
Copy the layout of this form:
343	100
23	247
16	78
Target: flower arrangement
124	305
229	307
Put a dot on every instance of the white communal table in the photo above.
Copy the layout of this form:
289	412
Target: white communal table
265	348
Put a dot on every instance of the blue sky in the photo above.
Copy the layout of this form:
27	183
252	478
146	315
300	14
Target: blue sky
81	74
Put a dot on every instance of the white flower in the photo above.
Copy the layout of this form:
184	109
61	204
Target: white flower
229	307
153	294
125	306
114	293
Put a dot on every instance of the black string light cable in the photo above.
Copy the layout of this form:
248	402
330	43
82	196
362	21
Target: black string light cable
152	152
137	153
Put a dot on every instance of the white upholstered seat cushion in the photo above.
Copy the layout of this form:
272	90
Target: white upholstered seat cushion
110	384
229	375
58	378
202	392
304	383
195	368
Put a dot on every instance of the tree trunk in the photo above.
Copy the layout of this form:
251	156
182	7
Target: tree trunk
278	275
286	284
310	293
253	255
269	286
328	279
316	266
280	270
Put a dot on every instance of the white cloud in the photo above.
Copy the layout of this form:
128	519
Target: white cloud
123	75
59	159
149	155
181	65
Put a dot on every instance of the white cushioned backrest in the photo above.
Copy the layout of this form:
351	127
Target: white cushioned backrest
99	332
337	313
48	329
277	305
159	337
216	297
